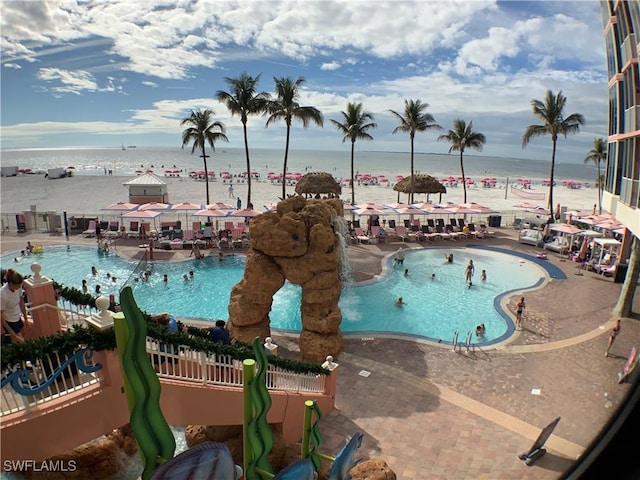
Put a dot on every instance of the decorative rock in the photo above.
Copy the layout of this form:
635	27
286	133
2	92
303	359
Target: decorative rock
299	244
372	470
101	458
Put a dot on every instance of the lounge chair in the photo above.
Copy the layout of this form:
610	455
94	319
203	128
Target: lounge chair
91	229
431	223
134	227
604	269
403	234
516	223
360	235
444	235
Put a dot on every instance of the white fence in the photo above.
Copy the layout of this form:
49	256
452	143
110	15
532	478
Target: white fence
49	378
211	369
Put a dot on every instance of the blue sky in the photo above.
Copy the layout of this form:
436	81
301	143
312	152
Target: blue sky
100	73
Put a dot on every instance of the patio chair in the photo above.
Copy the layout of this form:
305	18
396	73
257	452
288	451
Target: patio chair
461	223
392	224
360	235
431	223
444	235
407	223
91	229
134	227
402	233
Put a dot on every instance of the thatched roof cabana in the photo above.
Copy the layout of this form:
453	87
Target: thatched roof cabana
422	184
317	183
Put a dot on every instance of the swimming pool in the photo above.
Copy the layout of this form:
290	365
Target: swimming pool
434	309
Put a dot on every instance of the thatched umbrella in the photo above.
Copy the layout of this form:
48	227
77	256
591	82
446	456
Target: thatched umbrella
317	183
423	184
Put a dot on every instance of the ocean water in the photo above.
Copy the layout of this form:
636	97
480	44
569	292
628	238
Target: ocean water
126	162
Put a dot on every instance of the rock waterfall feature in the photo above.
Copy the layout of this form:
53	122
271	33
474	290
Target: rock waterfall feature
297	243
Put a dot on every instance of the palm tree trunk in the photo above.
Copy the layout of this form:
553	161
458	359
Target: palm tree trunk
624	307
206	173
411	186
246	151
464	180
600	187
353	185
553	167
284	170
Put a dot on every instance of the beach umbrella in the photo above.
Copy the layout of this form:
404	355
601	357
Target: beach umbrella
144	215
245	212
369	205
478	208
219	206
421	184
370	211
211	212
317	183
410	210
121	206
186	207
154	206
582	254
566	228
397	205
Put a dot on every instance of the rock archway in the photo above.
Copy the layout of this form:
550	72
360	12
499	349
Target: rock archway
297	243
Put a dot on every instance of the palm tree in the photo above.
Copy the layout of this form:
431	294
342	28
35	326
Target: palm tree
462	137
286	107
355	126
598	154
203	130
551	113
243	100
414	120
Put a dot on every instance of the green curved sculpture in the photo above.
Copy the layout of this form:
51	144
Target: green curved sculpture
258	432
142	387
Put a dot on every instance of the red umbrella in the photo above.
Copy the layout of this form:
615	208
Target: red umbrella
220	206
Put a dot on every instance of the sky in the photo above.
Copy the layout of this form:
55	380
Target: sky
102	73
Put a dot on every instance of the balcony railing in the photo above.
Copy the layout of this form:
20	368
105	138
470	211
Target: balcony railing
48	378
189	365
628	49
630	192
632	119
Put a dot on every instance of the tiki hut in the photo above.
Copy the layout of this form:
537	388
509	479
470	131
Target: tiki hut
423	184
318	183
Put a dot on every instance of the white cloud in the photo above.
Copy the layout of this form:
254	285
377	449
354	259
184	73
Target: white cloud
150	84
330	66
72	82
12	65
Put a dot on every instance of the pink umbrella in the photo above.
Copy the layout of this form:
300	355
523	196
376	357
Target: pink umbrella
144	214
245	212
565	228
211	212
410	210
396	206
186	206
369	205
369	211
154	206
121	206
220	206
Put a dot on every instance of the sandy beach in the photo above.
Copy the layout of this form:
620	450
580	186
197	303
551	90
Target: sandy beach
87	195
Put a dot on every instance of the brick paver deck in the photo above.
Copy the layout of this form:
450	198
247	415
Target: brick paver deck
432	413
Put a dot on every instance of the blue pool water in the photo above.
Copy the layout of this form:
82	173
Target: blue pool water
434	309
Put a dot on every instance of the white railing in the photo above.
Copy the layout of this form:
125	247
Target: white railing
68	313
29	384
210	369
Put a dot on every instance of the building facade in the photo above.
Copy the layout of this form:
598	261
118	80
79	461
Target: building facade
621	196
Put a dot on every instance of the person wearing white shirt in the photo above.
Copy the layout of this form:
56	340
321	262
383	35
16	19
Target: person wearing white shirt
12	307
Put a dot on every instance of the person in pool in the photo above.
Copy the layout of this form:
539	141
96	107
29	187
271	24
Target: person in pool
400	302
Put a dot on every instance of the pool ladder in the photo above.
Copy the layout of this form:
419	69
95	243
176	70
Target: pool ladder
467	342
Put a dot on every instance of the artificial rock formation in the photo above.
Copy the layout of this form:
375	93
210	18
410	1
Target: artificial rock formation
297	243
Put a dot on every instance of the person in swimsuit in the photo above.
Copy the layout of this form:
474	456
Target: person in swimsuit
468	273
519	309
614	333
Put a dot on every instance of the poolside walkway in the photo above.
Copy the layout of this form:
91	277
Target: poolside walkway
432	413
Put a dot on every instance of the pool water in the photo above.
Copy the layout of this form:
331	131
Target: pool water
434	309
